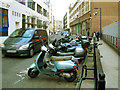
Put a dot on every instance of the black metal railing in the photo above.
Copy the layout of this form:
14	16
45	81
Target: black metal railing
99	76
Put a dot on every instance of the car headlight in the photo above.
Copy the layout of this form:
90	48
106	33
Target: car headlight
24	46
2	45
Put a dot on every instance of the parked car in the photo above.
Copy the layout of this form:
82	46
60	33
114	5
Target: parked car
24	42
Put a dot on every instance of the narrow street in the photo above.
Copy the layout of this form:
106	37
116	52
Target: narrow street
26	25
14	72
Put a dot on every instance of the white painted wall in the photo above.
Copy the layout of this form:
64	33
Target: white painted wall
112	29
22	9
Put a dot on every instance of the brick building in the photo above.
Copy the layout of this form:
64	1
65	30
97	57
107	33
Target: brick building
92	15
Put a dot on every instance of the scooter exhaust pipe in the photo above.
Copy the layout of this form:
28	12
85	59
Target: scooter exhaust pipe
67	75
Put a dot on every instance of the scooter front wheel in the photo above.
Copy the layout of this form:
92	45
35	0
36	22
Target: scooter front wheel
73	76
32	73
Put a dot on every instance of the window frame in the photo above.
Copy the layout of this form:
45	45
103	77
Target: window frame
3	27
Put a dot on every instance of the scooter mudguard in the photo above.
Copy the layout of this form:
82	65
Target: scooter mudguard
32	65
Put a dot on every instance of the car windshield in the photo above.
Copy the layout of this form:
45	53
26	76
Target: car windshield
22	33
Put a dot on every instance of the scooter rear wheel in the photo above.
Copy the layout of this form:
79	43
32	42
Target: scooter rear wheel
73	76
32	73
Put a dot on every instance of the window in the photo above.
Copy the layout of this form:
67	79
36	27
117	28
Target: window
15	13
31	4
5	12
39	23
28	21
44	24
33	20
12	12
3	22
23	21
33	23
39	9
21	1
1	17
45	12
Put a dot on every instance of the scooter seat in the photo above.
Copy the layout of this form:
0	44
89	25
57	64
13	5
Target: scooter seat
61	58
71	49
65	54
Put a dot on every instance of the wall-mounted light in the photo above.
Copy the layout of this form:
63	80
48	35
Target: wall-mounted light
95	13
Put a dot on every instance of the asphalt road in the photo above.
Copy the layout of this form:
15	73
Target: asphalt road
14	75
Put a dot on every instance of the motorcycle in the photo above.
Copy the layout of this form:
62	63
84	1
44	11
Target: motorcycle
50	65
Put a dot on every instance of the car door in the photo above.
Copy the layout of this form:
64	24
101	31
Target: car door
44	36
37	40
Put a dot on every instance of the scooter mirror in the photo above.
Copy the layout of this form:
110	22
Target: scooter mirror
43	48
51	46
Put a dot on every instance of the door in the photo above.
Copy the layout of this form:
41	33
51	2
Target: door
16	25
37	41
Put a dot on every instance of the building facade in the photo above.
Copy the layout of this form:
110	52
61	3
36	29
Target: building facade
51	20
58	25
16	14
66	22
88	16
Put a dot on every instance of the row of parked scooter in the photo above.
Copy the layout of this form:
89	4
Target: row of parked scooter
61	57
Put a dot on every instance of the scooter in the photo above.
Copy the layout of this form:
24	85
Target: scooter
63	66
68	49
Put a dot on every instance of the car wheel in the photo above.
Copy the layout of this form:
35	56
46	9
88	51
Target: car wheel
31	52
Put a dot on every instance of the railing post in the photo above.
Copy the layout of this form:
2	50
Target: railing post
116	42
113	40
101	81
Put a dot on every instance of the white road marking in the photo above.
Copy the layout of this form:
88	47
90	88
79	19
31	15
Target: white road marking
21	75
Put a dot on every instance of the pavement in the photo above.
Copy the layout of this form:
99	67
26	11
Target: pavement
110	67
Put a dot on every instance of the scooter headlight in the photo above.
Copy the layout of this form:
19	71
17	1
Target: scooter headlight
24	46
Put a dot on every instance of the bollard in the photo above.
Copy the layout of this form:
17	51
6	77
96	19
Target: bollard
101	81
